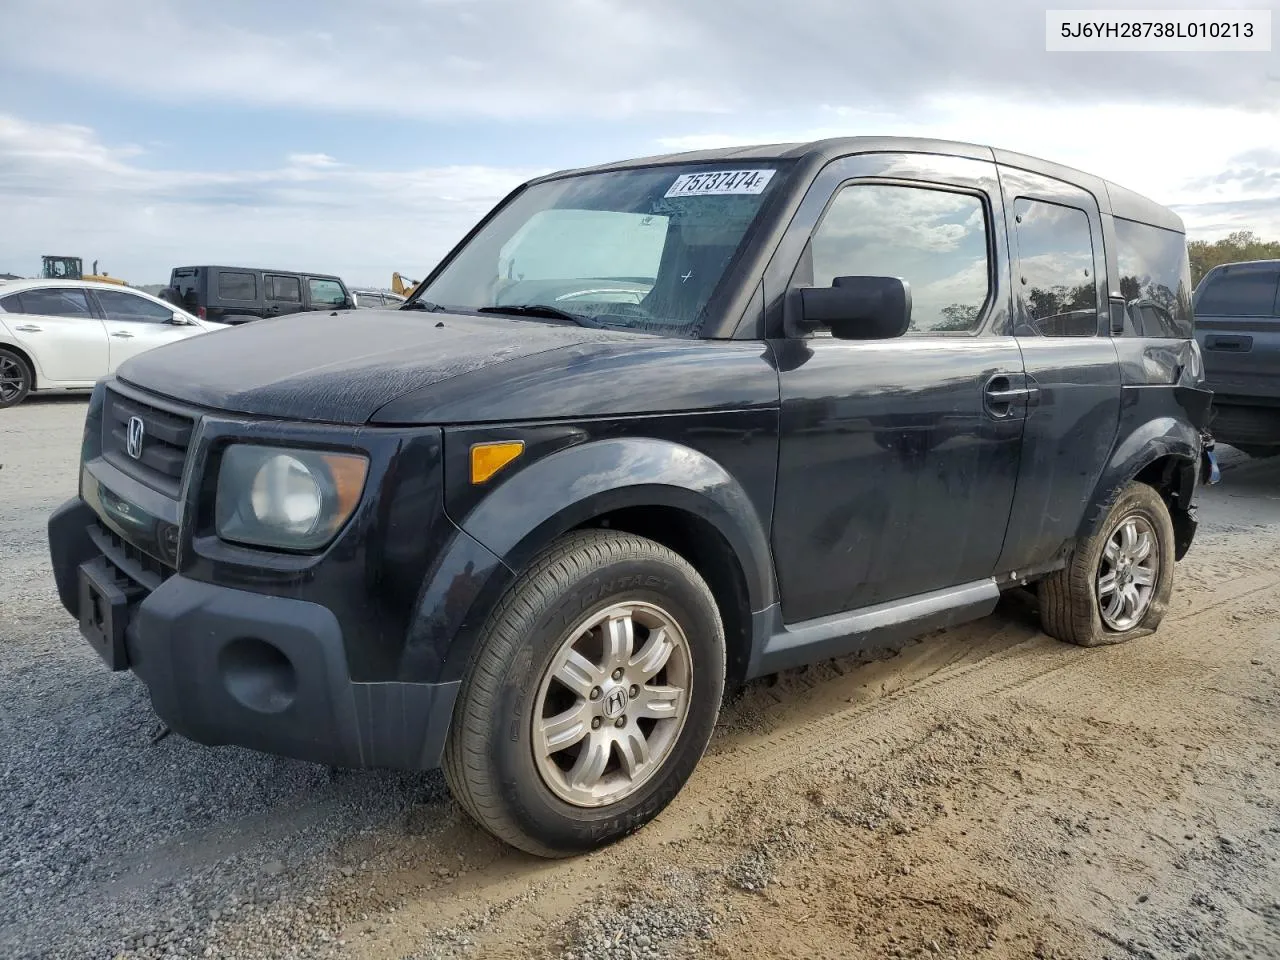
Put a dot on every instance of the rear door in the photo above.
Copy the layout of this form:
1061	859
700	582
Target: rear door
234	296
1237	311
60	328
136	324
283	294
1061	309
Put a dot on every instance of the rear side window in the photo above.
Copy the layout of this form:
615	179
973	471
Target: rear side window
284	288
1056	284
237	286
328	293
56	303
1155	279
1247	292
129	308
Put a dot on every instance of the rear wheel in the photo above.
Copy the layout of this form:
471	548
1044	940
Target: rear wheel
591	698
1118	582
15	379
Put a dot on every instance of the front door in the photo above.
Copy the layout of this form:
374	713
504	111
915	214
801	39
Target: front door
136	324
898	458
325	294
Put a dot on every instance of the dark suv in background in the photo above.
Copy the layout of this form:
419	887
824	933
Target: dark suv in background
240	294
1237	310
651	429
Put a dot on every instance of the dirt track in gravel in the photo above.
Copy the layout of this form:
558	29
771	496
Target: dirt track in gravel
986	792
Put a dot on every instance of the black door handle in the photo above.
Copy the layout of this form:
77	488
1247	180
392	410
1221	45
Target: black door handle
1009	395
1004	394
1228	343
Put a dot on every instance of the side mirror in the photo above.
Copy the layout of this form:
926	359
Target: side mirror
858	308
178	320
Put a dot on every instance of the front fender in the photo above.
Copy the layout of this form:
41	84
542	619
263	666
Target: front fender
565	479
565	489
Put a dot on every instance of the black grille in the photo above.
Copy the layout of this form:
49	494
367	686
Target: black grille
165	438
137	565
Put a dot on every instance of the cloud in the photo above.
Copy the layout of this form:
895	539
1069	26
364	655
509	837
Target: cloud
63	190
597	59
507	59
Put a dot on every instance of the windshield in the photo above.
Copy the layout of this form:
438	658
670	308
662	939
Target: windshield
639	249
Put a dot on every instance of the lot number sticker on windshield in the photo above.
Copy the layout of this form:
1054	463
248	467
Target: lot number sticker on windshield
720	183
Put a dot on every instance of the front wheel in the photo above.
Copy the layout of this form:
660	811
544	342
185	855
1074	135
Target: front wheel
591	697
1118	582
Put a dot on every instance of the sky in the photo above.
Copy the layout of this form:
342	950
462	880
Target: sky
362	139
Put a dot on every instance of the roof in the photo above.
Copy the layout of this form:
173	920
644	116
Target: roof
1247	265
1120	201
217	266
14	285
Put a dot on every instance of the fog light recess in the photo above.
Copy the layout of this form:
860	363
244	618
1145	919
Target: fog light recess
258	675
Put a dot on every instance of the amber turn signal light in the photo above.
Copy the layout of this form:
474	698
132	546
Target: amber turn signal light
347	473
488	458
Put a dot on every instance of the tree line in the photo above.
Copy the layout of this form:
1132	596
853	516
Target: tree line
1240	245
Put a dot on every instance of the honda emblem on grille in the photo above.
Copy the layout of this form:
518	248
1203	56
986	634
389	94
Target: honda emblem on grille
133	438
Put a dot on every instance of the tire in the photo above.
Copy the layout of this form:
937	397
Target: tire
498	763
1074	604
16	379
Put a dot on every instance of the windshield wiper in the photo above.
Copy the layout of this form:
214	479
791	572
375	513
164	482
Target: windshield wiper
540	310
426	305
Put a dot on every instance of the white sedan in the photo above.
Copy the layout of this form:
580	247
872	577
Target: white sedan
66	334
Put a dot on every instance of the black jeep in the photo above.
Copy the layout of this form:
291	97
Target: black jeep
240	294
651	429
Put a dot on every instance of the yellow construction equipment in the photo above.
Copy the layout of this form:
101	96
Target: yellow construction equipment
400	286
72	268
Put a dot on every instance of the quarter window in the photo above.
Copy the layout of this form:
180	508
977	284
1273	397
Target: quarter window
327	293
133	309
10	304
285	288
1155	279
1250	292
935	240
1056	285
237	286
52	302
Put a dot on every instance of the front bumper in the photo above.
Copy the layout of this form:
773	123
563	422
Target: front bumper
229	666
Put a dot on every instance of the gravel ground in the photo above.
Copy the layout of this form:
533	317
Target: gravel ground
985	792
111	840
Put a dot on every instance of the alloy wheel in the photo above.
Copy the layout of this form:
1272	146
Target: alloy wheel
13	379
1127	573
611	704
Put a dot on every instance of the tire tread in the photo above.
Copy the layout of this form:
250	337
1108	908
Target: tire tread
1068	606
551	574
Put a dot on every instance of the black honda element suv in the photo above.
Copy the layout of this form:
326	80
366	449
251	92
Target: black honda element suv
650	429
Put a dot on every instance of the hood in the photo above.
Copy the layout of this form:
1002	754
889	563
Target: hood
340	368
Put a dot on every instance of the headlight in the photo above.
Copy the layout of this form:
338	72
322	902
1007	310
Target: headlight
285	498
